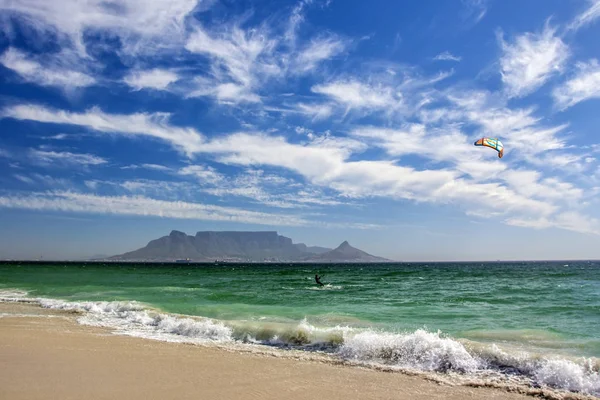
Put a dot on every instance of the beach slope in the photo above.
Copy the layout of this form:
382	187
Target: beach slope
53	357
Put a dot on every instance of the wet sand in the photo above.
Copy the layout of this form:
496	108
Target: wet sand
49	356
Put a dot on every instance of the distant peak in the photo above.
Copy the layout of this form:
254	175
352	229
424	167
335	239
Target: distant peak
177	233
344	244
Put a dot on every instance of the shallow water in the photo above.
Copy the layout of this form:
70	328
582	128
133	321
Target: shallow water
537	321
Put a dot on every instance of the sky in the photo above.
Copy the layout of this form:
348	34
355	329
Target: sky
324	120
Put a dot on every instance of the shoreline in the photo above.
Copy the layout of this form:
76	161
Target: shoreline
47	354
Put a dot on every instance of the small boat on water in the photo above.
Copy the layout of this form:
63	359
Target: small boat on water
186	261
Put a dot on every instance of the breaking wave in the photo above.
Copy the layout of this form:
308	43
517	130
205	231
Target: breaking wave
420	351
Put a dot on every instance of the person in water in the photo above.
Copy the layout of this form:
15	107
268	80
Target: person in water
318	280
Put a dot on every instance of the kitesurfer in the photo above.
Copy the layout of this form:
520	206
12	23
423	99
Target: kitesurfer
318	280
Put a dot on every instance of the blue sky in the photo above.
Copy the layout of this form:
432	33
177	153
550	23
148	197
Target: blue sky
323	120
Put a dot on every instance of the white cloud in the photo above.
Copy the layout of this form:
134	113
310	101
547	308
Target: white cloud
203	173
24	179
296	18
316	111
476	9
140	124
587	17
64	158
162	189
270	190
317	51
531	184
517	128
225	93
585	85
60	136
47	74
529	62
91	184
244	60
51	181
239	59
417	140
143	206
571	220
158	79
447	56
154	167
357	95
330	163
326	165
142	26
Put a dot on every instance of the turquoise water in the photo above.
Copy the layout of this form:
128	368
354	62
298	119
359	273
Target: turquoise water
492	311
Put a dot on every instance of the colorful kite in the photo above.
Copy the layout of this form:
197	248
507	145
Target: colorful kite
493	144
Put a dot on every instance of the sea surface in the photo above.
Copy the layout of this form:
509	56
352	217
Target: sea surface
533	323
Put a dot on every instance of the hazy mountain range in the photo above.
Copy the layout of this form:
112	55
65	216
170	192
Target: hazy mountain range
241	246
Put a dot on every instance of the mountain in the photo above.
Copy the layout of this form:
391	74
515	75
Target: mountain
233	246
346	253
312	249
239	246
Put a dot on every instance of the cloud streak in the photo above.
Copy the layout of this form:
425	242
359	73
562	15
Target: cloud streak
531	60
142	27
142	206
45	73
157	79
587	17
155	125
584	85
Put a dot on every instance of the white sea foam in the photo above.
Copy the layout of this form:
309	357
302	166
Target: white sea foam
419	350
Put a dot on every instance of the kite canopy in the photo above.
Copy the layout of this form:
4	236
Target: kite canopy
492	143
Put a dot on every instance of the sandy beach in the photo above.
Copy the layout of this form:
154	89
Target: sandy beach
47	355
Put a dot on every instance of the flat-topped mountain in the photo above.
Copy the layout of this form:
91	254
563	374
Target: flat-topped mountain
239	246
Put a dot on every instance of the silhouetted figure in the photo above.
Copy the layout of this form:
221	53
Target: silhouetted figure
318	280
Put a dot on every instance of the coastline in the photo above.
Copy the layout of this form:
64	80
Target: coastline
47	354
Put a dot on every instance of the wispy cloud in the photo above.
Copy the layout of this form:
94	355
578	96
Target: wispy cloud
476	9
64	158
155	167
572	221
244	60
586	17
391	91
447	56
158	79
328	166
203	173
60	136
24	179
240	59
270	190
41	180
324	161
48	73
584	85
531	60
143	206
154	125
143	27
316	51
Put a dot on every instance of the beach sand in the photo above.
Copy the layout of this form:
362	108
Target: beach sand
56	358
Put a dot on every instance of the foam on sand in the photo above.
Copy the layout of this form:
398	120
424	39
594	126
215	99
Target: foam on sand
418	351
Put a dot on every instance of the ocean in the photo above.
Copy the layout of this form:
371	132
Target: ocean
535	324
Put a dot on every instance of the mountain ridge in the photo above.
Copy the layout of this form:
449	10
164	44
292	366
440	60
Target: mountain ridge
206	246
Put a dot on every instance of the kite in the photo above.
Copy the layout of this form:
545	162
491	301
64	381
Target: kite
491	143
